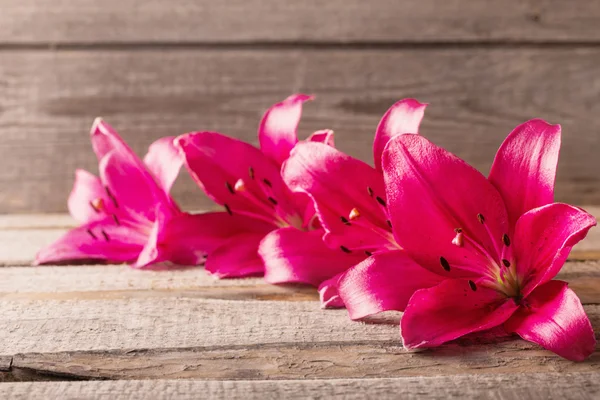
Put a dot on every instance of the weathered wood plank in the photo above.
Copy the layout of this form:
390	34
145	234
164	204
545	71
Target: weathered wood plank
302	361
181	337
580	386
337	21
105	282
36	221
78	325
477	96
118	282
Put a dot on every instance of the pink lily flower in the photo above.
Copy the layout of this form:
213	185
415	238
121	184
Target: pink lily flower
282	231
126	214
351	202
499	242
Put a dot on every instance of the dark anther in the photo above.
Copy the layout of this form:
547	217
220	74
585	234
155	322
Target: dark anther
472	286
272	200
457	230
506	262
345	220
116	220
506	240
370	191
106	237
267	182
345	249
389	223
227	209
445	264
480	218
94	207
89	231
368	253
112	198
380	200
251	172
229	187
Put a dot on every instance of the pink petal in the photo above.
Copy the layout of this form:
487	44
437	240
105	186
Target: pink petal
217	162
431	193
338	183
132	189
294	256
525	167
237	257
555	319
186	239
451	310
99	240
277	130
543	240
106	139
325	136
403	117
329	294
87	192
383	282
164	162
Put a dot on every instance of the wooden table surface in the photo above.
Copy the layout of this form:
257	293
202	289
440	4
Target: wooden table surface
112	332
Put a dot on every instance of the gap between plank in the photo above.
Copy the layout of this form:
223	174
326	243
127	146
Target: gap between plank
294	45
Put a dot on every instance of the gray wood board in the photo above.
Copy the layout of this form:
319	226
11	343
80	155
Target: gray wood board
477	96
274	21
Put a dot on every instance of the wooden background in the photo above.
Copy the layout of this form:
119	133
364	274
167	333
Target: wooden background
154	68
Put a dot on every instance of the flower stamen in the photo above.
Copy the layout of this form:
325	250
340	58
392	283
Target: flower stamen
110	195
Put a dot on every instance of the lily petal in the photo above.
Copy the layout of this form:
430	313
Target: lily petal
524	169
88	198
237	257
132	189
185	239
555	319
450	310
338	184
323	136
329	294
277	130
98	240
164	162
543	240
383	282
294	256
431	192
106	139
217	162
403	117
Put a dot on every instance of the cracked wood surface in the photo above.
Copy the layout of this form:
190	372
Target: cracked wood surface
580	386
112	322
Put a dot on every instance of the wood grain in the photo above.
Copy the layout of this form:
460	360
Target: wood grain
341	359
477	96
80	325
580	386
271	21
98	282
106	282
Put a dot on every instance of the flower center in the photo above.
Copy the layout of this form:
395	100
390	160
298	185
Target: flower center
263	200
499	272
356	218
